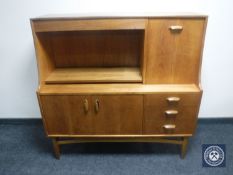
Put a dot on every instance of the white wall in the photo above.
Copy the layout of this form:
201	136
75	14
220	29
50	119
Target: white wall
18	71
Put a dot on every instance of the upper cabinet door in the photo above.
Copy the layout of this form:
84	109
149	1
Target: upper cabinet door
117	114
174	50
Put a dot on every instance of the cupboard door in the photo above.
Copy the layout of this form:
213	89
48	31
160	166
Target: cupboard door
118	114
174	50
66	115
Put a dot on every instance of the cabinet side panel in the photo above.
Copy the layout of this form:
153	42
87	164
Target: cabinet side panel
44	54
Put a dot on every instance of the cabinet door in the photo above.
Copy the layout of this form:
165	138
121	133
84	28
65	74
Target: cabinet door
66	114
174	50
118	114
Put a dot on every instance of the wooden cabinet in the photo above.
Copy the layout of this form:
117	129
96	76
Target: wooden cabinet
119	79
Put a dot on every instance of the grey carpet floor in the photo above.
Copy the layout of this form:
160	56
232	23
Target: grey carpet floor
24	149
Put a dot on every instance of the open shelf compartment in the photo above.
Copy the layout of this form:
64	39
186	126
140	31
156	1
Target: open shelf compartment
106	56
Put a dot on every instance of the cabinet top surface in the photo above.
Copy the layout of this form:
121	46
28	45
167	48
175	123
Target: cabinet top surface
119	15
117	89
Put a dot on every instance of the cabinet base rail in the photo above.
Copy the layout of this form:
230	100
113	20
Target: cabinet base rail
57	141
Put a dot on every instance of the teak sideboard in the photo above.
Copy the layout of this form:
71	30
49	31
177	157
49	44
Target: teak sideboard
119	78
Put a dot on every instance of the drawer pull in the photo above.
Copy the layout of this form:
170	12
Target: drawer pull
171	112
176	28
173	99
97	105
86	106
169	127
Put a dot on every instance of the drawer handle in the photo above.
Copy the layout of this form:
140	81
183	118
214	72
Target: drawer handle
86	106
171	112
97	105
173	99
169	127
176	28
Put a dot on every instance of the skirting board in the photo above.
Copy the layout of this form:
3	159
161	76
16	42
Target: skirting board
38	121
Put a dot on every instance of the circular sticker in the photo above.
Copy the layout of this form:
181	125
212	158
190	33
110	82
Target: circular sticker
214	155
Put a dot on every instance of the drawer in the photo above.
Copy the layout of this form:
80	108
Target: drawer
158	121
172	99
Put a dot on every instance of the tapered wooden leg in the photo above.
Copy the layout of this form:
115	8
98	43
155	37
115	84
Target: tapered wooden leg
56	148
184	147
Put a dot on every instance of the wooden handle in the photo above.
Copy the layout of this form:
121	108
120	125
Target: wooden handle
171	112
97	105
173	99
169	127
176	28
86	106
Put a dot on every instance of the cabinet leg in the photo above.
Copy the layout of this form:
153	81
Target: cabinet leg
184	147
56	148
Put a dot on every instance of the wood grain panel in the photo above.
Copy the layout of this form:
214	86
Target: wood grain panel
160	51
155	119
55	114
186	99
44	55
66	115
188	51
94	75
97	48
118	114
174	57
87	24
71	89
81	120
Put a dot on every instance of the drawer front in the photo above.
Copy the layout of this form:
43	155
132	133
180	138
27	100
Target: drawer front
173	99
176	117
158	122
174	50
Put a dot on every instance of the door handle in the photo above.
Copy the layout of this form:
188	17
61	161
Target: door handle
173	99
176	28
86	106
97	105
171	112
169	127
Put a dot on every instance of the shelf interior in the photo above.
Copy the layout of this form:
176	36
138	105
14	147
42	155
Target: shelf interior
95	75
